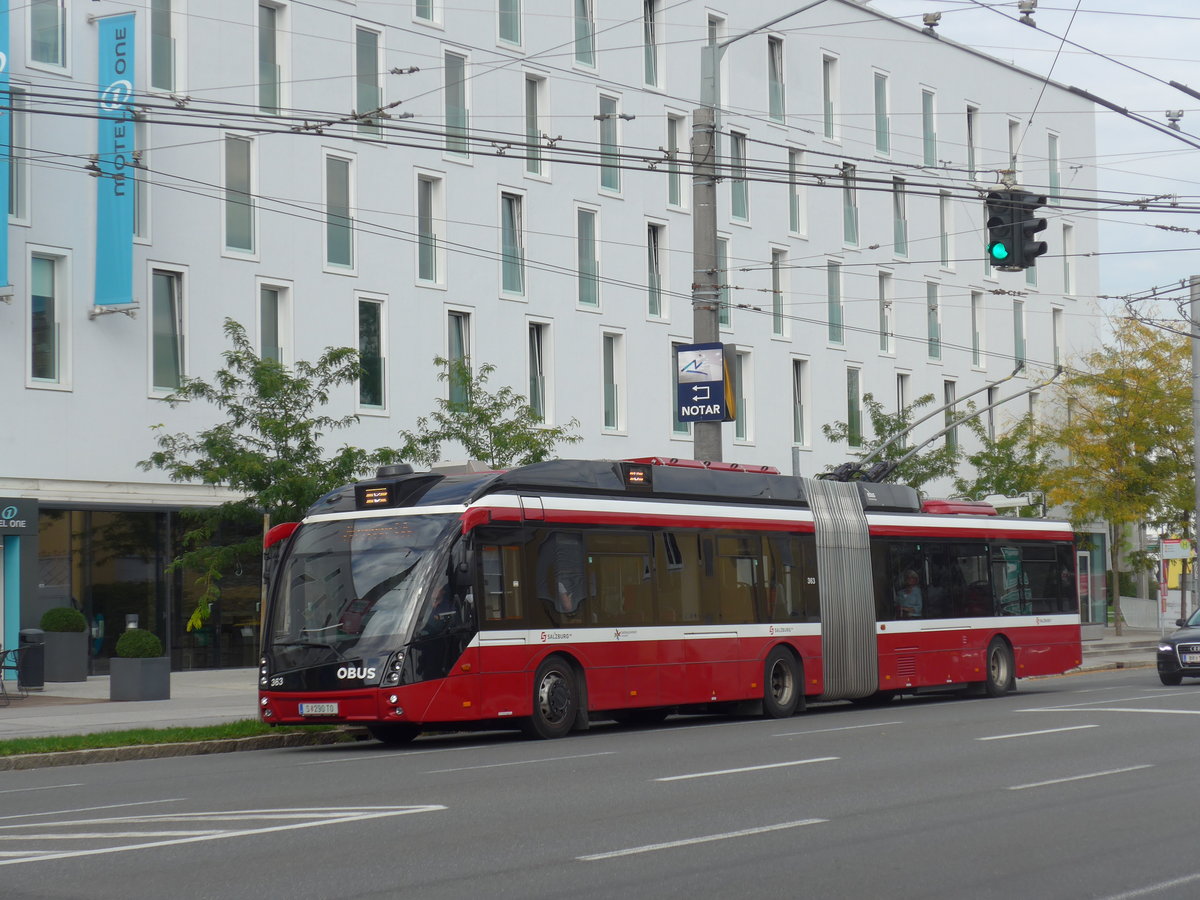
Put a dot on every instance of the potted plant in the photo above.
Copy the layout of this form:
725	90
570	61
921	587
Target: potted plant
139	671
66	644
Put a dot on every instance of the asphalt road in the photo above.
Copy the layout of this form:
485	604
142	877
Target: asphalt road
1073	787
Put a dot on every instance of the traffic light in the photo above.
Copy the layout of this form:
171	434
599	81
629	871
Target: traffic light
1011	228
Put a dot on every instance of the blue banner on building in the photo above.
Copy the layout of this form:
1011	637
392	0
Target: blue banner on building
115	186
5	141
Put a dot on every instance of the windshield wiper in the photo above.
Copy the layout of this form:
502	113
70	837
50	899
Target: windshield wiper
312	645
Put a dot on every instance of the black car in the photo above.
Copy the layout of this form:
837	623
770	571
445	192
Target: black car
1179	652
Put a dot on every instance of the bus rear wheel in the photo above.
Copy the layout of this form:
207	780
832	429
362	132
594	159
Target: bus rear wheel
999	669
394	735
781	685
555	700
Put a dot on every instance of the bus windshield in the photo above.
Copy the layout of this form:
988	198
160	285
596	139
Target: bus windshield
351	586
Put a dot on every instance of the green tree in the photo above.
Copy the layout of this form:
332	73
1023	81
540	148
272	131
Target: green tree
270	450
937	461
1127	435
498	428
1017	461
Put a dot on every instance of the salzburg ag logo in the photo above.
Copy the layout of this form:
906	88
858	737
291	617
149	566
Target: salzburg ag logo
117	95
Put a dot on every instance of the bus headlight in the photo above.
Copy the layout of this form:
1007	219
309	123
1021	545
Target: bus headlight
263	672
391	675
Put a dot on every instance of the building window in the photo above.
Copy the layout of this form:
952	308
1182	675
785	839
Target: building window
948	395
725	309
742	384
273	322
430	222
1056	334
1054	176
613	365
508	25
849	204
167	332
458	350
883	138
854	431
977	332
585	33
902	392
739	188
587	254
654	299
945	231
674	176
18	161
933	320
833	279
778	290
972	140
162	46
539	338
1068	252
270	78
371	356
678	427
829	95
928	129
512	244
714	34
46	319
239	194
797	197
800	427
456	111
534	162
899	218
368	79
141	181
339	222
610	147
48	32
1030	276
427	11
887	340
650	42
776	98
1019	333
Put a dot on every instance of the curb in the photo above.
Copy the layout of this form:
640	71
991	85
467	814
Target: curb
162	751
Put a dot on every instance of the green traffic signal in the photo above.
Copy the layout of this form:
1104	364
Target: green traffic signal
999	251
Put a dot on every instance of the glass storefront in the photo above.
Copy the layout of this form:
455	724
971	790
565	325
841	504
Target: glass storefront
112	566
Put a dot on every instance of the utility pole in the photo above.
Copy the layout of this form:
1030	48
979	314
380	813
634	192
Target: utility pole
706	279
1194	315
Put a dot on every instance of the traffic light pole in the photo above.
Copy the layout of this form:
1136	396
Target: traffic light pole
706	290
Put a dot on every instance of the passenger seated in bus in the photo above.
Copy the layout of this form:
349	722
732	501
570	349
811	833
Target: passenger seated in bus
560	577
908	597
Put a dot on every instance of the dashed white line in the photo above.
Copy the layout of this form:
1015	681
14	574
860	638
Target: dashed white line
704	839
49	787
1038	784
1155	888
827	730
1005	737
522	762
79	809
795	762
1132	709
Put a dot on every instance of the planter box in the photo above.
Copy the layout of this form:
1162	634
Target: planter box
66	655
139	679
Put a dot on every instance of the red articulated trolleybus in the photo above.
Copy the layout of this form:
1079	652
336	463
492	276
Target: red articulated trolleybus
554	593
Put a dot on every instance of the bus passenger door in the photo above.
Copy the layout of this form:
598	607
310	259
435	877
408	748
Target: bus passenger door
502	653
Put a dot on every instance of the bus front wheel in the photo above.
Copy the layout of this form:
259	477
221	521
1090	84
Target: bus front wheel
555	700
781	685
999	669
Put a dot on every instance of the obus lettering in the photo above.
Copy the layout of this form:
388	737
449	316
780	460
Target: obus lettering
356	672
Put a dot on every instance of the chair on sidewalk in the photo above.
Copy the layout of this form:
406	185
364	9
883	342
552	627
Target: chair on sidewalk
10	664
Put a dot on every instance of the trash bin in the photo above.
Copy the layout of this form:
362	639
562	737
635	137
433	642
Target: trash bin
31	665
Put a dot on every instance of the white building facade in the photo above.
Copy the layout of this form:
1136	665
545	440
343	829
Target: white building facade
505	180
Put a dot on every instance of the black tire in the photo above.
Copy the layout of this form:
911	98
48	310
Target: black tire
782	686
555	700
1170	679
999	662
394	735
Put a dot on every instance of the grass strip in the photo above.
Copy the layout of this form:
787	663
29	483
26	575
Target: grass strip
142	736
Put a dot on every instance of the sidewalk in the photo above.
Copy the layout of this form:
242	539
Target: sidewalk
214	696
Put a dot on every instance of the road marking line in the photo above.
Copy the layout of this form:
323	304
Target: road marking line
1005	737
394	755
101	835
52	787
246	832
1155	888
59	812
1136	709
686	842
1106	700
827	730
522	762
1021	787
797	762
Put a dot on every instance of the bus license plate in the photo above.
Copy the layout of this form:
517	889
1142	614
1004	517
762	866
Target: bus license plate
318	709
1191	659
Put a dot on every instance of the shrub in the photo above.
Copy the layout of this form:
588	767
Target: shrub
137	643
63	618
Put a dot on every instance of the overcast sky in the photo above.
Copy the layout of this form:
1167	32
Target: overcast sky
1156	37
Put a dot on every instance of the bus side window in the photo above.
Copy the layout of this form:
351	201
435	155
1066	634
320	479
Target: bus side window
560	578
501	583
